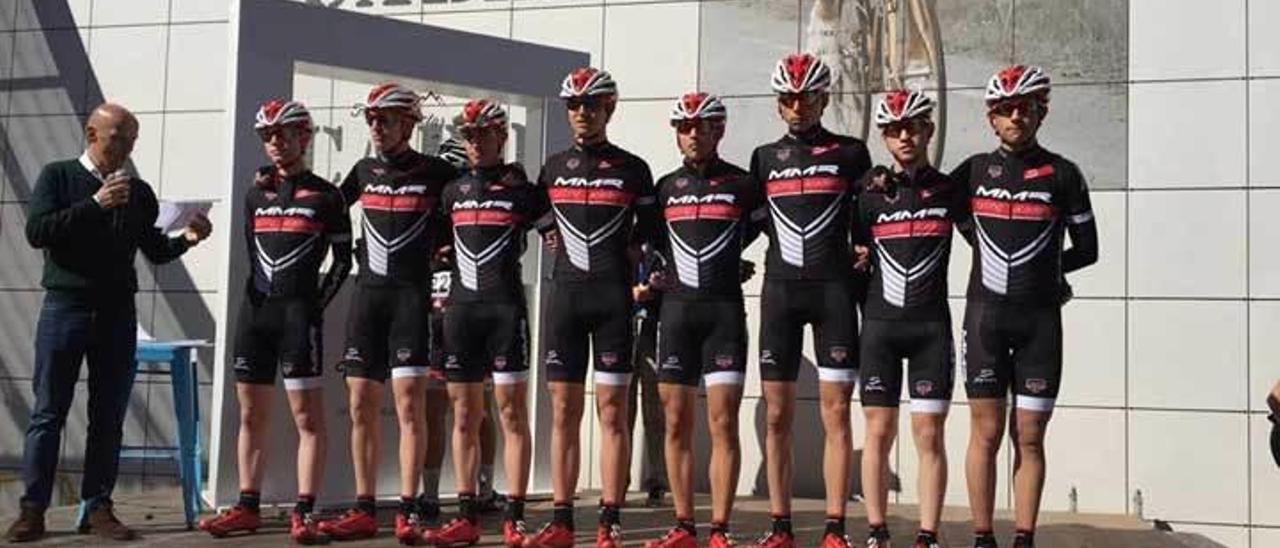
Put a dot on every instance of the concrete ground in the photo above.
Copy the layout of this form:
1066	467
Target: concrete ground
158	515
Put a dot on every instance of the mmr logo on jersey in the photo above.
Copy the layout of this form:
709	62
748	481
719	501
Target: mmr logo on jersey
485	204
695	200
277	211
904	215
387	190
589	183
795	172
1022	196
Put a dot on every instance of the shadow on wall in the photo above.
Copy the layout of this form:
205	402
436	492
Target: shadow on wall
51	73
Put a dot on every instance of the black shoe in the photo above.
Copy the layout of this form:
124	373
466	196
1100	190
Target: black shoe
985	540
489	503
656	498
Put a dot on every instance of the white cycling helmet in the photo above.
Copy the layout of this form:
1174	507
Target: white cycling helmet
901	104
697	105
588	82
281	112
800	73
452	151
391	95
480	114
1017	81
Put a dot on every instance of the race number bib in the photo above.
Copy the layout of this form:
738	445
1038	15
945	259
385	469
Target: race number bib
440	283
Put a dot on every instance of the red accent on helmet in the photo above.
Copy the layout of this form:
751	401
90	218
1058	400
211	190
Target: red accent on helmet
896	100
693	100
380	90
1009	77
580	77
273	107
798	66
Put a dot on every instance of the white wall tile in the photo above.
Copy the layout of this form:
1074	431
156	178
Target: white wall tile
197	67
1264	117
194	168
740	42
1089	125
1264	43
32	57
1187	244
642	128
432	6
1264	258
313	91
1167	39
491	23
17	332
1167	120
130	12
129	63
1093	368
577	28
1187	354
1086	451
1104	278
528	5
147	149
1264	352
22	15
661	68
1265	478
200	10
1166	467
1226	536
23	265
1264	537
37	140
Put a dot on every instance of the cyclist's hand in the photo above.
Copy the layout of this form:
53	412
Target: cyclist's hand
266	178
551	239
861	258
878	179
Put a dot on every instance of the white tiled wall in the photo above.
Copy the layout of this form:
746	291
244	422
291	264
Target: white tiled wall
1166	360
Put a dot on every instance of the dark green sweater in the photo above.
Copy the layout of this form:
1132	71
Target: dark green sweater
85	246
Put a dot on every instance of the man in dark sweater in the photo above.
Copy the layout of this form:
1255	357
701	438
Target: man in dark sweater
91	217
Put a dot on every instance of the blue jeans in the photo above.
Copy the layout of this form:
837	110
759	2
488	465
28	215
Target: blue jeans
74	326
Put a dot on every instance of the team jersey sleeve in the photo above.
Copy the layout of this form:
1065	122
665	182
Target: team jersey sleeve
862	222
547	221
759	216
646	206
350	187
1081	226
534	203
961	215
338	231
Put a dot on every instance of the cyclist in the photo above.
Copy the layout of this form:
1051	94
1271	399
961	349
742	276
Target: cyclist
706	204
905	218
398	190
602	202
1023	199
491	207
293	218
808	180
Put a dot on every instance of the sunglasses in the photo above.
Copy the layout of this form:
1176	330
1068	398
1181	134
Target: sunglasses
476	133
579	103
267	134
1008	106
380	117
694	126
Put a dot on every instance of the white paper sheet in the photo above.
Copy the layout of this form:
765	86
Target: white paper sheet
176	215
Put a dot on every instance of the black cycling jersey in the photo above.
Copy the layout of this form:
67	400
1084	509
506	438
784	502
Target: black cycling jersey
602	201
490	210
809	186
1021	204
706	226
289	228
399	197
907	228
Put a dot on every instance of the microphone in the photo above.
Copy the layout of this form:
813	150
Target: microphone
118	214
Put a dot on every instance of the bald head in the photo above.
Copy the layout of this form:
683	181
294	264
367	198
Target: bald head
109	136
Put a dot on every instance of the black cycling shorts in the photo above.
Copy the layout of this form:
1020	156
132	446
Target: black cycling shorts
827	305
927	347
702	339
484	338
1009	346
279	333
387	333
574	311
